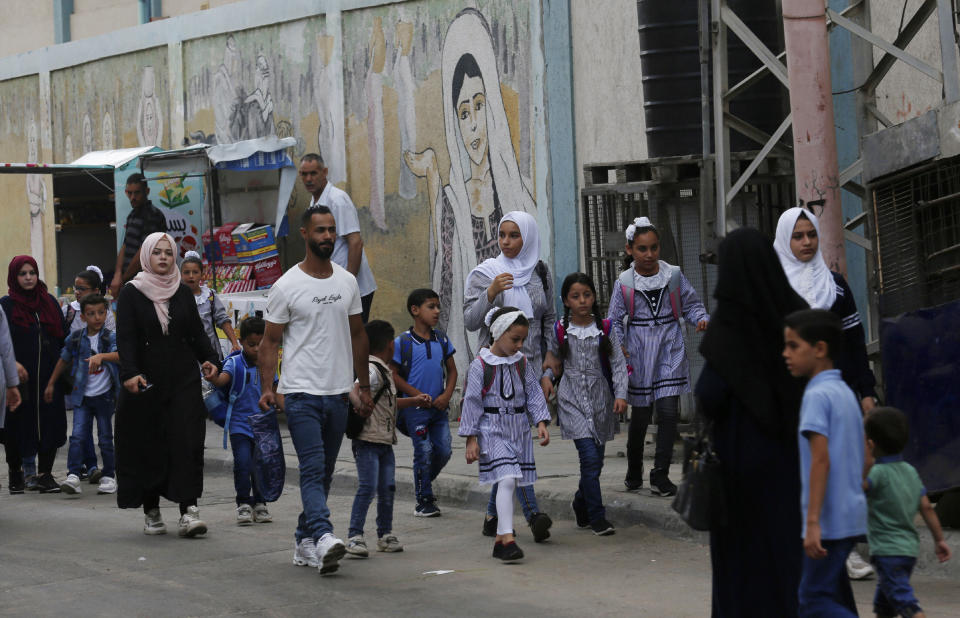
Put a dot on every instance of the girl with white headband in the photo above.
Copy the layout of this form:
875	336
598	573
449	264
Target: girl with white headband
502	399
519	279
648	301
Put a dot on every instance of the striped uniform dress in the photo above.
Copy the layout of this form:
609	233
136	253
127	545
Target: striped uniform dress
506	446
584	399
654	340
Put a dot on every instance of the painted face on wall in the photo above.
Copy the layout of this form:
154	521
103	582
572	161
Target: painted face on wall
149	122
262	80
472	115
87	134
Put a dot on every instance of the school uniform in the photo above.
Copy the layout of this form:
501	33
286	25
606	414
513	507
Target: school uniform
501	417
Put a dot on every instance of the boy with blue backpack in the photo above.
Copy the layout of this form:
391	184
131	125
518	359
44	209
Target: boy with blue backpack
240	378
423	364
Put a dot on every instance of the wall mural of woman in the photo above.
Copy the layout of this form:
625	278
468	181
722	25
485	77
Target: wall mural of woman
484	180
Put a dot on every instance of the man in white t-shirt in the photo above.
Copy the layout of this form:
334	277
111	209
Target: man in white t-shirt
348	249
314	309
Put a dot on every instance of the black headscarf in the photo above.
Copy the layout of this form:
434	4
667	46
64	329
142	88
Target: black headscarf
744	342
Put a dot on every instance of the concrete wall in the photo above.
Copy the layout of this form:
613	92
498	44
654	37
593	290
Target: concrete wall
26	25
371	86
905	92
608	91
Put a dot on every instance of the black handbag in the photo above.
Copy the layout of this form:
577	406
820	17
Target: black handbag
356	421
700	499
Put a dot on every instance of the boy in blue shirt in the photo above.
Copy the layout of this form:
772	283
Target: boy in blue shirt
894	494
90	355
831	463
421	357
250	505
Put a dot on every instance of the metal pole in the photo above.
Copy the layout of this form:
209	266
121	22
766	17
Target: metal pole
721	134
814	136
706	167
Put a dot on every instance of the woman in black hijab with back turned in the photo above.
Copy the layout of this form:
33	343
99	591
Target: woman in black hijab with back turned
754	404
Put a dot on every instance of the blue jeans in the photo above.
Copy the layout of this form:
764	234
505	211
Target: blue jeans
430	432
591	463
824	586
100	407
375	466
316	424
894	595
525	496
243	480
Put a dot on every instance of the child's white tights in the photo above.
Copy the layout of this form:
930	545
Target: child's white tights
505	505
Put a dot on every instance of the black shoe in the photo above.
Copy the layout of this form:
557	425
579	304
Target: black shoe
660	485
583	520
46	484
540	526
633	486
602	527
16	482
31	483
95	475
83	472
509	552
490	526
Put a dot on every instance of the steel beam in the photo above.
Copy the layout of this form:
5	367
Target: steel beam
903	39
721	133
742	180
754	44
886	46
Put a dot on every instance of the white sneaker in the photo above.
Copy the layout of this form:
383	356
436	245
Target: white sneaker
389	543
356	546
329	551
857	567
190	523
244	515
153	523
305	553
108	485
71	486
261	515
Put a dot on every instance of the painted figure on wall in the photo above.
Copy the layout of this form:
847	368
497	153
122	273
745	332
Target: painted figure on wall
484	180
149	120
68	156
36	197
329	101
237	114
406	108
87	135
374	91
106	132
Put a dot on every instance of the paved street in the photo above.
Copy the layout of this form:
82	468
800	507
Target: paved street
83	556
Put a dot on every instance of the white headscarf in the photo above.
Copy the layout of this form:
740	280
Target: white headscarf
522	266
812	280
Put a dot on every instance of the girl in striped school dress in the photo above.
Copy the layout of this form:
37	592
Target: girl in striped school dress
503	398
591	393
653	295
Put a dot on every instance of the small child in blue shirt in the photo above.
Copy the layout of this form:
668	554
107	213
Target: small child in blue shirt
831	463
894	494
251	507
90	356
422	356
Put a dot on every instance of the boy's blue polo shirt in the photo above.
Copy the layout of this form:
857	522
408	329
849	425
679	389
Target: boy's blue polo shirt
249	400
426	363
831	409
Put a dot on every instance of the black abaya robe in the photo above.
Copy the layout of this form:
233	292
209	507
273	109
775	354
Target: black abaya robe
160	433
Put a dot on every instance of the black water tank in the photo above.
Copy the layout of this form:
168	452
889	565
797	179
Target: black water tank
670	65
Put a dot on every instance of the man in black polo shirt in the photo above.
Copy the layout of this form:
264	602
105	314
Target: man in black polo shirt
143	220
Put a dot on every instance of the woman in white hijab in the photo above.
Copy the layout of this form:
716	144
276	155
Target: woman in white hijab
515	278
798	246
484	180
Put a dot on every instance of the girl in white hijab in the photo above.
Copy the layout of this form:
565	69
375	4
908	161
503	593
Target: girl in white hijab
798	246
519	279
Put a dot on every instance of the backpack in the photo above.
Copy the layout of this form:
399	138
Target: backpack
490	374
355	422
561	333
625	283
219	402
406	351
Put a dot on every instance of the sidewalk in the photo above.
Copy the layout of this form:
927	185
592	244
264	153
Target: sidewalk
558	471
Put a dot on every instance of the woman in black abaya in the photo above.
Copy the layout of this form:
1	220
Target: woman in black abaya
754	404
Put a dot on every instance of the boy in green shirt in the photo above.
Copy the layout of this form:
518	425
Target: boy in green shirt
894	493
